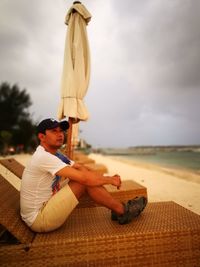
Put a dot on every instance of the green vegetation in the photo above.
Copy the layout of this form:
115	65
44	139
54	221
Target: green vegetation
16	125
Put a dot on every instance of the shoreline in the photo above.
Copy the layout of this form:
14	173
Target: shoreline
183	173
162	184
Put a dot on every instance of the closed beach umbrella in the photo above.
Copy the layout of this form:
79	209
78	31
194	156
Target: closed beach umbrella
76	68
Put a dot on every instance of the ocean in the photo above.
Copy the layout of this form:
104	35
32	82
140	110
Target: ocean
177	159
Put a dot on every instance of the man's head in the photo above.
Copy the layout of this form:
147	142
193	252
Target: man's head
50	123
51	133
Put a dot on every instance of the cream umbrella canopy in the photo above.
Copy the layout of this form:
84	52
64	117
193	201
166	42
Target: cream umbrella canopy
76	68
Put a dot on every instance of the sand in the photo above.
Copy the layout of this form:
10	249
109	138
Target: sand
162	184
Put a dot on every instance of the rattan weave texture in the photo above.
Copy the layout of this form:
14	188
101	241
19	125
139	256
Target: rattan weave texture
9	213
129	189
17	168
100	168
166	234
82	158
13	165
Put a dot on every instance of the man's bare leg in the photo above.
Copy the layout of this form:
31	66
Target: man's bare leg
99	194
77	189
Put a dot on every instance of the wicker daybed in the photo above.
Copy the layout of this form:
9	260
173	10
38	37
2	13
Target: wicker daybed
165	234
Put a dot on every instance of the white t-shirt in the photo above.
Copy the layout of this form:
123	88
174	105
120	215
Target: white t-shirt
39	183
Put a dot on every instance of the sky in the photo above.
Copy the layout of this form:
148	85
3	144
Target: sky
145	66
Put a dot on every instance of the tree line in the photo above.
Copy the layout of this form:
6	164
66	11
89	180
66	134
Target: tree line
17	128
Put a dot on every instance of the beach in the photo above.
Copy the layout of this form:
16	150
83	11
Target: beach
162	184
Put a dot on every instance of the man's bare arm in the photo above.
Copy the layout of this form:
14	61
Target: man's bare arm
81	167
88	177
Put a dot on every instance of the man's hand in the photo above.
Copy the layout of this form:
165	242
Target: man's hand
117	181
87	177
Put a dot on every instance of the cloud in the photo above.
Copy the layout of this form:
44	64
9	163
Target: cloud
145	85
31	38
163	43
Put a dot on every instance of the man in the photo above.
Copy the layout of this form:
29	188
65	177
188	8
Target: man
45	206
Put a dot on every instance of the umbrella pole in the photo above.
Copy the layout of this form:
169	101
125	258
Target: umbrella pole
69	139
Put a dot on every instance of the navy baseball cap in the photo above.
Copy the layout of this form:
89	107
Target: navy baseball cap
50	123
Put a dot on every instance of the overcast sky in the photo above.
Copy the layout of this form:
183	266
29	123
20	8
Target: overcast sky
145	66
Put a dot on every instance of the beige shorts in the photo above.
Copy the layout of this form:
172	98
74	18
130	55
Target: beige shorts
55	212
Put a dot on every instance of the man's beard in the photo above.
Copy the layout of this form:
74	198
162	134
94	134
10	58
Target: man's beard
56	146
